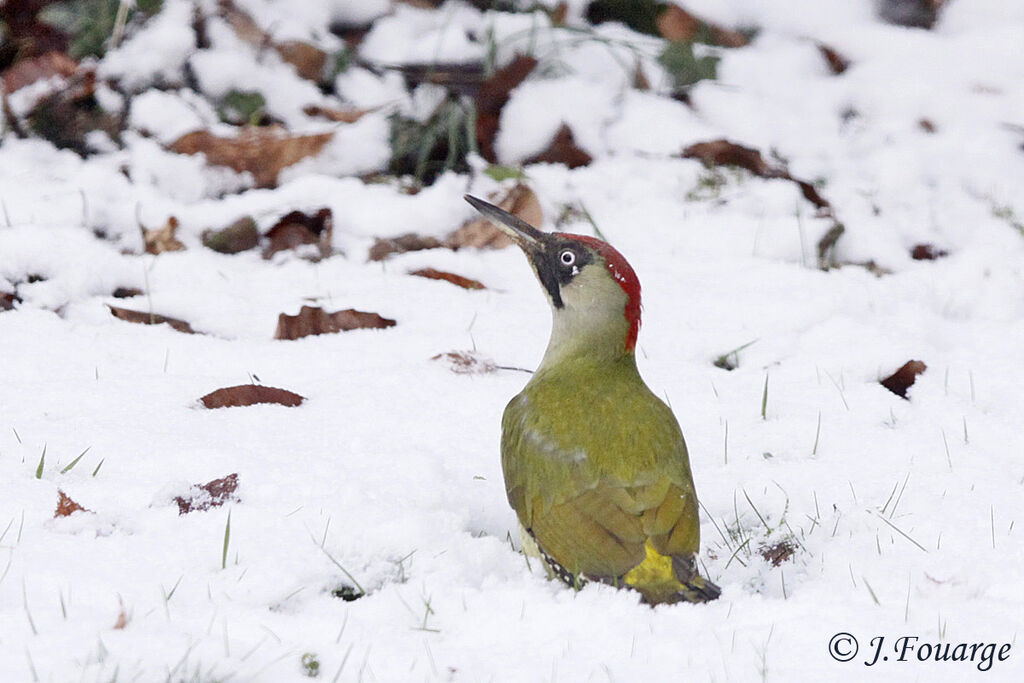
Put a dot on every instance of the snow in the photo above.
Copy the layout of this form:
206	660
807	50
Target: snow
903	513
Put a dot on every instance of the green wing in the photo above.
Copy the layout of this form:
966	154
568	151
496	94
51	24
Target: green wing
595	475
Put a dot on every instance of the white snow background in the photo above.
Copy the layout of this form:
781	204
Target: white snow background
903	513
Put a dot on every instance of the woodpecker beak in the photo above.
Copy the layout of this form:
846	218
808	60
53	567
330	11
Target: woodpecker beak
525	235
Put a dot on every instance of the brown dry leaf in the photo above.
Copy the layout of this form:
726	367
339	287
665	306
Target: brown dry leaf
432	274
7	301
308	60
211	494
314	320
297	228
901	380
562	150
723	152
640	81
262	151
466	362
28	71
481	233
927	252
337	115
122	619
386	246
250	394
144	318
162	239
126	292
66	506
836	62
927	125
777	553
675	23
492	96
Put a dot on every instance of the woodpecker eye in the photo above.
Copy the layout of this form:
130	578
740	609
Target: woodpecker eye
567	257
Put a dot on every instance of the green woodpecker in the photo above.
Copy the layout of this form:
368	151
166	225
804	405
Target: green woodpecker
595	464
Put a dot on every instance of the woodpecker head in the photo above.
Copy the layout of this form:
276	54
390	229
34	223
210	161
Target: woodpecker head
593	291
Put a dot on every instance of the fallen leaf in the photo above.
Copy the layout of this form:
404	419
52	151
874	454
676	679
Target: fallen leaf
927	252
122	619
674	23
562	150
250	394
145	318
464	282
237	237
927	125
309	60
126	292
492	96
211	494
480	233
777	553
338	115
386	246
66	506
723	152
297	228
162	239
262	151
466	362
70	117
7	301
312	321
836	62
901	380
28	71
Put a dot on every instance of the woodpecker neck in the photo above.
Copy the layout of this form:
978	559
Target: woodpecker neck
593	323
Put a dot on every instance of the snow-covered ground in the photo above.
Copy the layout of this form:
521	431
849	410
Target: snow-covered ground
901	514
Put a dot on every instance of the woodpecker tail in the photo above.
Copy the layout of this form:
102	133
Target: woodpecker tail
664	579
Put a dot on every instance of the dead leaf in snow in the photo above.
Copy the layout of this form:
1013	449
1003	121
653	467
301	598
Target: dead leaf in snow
386	246
262	151
562	150
927	252
674	23
314	320
901	380
836	62
297	228
492	96
159	240
481	233
464	282
7	301
250	394
66	506
466	362
211	494
723	152
308	60
337	115
28	71
145	318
